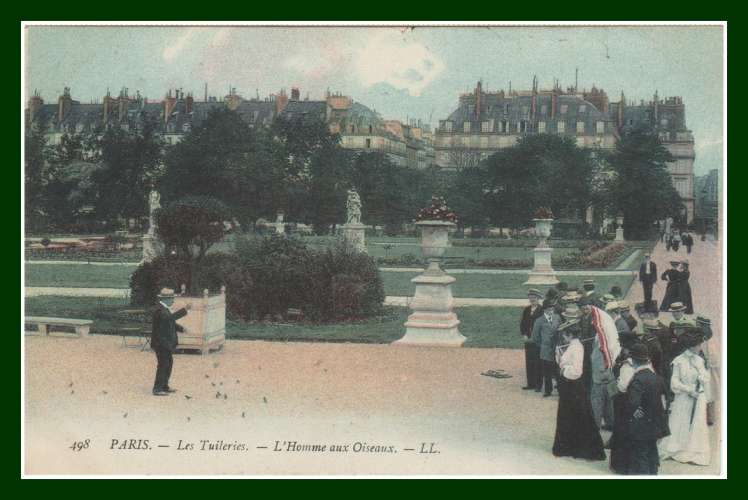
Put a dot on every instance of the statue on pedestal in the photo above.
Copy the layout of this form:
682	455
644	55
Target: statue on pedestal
353	207
149	239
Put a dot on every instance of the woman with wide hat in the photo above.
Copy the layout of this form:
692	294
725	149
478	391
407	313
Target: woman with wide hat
671	277
577	435
690	383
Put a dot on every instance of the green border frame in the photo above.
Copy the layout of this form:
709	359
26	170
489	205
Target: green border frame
383	11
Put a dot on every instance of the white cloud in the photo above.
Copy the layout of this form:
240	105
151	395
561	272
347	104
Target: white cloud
174	49
388	58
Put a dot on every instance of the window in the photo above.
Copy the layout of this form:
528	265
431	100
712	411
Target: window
544	109
466	127
448	126
504	126
600	127
663	122
353	129
186	127
371	129
561	127
564	109
522	126
525	110
541	127
486	126
506	109
582	108
580	127
368	141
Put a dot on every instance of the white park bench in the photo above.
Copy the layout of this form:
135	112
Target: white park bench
44	325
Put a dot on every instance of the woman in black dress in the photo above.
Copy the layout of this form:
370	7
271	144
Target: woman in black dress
684	287
577	434
620	452
671	276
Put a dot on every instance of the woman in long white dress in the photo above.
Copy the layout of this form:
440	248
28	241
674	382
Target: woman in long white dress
688	441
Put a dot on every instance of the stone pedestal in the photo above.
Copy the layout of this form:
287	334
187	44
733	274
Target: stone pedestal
542	272
354	235
150	247
433	321
619	234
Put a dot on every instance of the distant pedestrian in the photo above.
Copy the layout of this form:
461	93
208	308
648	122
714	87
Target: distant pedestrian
545	336
532	350
164	339
668	241
688	242
577	435
648	277
671	277
675	242
684	287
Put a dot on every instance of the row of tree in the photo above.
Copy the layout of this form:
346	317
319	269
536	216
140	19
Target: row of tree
299	168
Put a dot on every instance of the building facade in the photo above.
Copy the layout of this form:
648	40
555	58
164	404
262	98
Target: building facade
360	128
485	122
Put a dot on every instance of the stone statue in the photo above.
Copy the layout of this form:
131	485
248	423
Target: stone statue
353	207
154	203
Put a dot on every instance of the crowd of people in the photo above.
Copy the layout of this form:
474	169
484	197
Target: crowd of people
649	384
674	239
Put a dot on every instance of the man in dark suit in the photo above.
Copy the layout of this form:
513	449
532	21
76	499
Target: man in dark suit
164	339
648	277
532	351
545	336
647	419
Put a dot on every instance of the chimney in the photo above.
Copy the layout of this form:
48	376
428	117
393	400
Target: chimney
35	103
478	92
108	105
280	101
295	94
621	103
169	103
123	103
64	102
554	102
188	102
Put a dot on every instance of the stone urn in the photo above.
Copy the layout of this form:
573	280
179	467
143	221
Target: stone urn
619	228
433	321
542	272
205	323
543	229
434	242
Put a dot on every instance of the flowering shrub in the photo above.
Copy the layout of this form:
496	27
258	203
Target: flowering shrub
437	211
543	213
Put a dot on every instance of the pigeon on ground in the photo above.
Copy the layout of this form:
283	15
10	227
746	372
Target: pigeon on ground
225	396
187	396
243	414
125	415
264	399
218	395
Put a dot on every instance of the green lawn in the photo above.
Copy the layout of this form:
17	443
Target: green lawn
505	286
467	285
483	326
78	275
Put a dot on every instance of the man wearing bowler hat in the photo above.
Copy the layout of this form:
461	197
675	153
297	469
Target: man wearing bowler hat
532	351
164	339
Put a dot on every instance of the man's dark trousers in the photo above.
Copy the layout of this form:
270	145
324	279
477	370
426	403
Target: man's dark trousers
165	362
549	373
533	365
647	294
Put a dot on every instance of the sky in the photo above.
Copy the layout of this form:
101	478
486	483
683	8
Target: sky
400	72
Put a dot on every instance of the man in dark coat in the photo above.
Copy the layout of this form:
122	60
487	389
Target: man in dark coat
164	339
532	351
688	241
646	414
648	277
654	334
545	336
625	308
